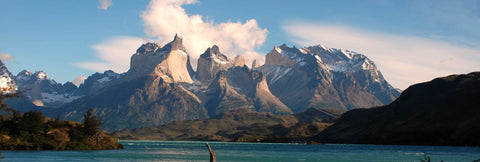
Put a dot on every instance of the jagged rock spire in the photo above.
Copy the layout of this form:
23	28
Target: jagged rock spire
177	43
239	60
170	61
210	63
214	49
255	64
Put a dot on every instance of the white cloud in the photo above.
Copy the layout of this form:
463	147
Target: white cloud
403	60
114	54
79	80
104	4
164	18
6	57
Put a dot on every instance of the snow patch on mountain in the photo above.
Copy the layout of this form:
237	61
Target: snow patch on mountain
104	80
220	60
277	73
182	52
57	98
41	75
196	86
6	83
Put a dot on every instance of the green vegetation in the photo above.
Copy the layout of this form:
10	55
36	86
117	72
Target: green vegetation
240	126
33	131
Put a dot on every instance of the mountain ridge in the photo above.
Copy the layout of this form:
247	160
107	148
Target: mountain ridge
162	83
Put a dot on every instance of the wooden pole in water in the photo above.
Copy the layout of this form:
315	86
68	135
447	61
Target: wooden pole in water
213	158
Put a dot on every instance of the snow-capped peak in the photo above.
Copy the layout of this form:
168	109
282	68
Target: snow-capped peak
341	60
215	54
277	49
41	75
23	75
348	54
7	84
303	50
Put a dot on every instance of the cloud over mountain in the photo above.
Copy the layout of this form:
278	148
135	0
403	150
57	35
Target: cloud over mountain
113	54
404	60
6	56
162	19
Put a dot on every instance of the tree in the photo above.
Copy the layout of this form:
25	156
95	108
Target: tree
32	122
6	93
8	115
91	123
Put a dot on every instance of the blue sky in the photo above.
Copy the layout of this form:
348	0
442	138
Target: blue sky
410	41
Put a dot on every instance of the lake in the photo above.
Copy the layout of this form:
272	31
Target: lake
228	151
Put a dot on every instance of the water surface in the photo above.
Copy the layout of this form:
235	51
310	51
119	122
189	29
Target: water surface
227	151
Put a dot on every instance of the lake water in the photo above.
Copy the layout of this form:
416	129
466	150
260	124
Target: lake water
226	151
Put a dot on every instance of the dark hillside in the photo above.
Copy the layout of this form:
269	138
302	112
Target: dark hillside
444	111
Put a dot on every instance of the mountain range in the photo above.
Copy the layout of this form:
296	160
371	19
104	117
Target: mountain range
161	86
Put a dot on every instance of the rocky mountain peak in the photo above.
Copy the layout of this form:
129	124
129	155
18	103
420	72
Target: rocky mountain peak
26	76
96	82
255	64
40	75
341	60
214	54
6	79
24	73
284	55
176	44
148	48
214	49
328	70
210	63
111	73
170	62
239	60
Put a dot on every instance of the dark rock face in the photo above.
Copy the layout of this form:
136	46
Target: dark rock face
222	97
443	111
